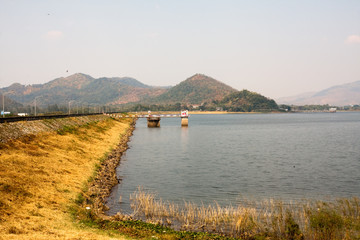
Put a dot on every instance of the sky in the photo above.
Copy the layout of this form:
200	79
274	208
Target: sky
277	48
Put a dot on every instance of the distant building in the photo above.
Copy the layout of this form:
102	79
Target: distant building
5	113
22	114
332	110
219	109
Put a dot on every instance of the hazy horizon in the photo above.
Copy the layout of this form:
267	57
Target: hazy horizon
277	48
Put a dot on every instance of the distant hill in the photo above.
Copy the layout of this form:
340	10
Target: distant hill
10	105
195	90
246	101
127	81
83	88
341	95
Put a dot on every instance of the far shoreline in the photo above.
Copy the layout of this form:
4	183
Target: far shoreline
201	112
220	112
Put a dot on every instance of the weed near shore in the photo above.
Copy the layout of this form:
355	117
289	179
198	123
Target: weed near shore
339	219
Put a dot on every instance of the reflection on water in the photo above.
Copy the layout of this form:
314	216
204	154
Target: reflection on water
184	139
221	157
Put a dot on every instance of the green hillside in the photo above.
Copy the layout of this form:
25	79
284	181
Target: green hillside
246	101
195	90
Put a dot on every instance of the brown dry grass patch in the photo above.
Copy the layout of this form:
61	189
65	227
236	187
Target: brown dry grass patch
40	176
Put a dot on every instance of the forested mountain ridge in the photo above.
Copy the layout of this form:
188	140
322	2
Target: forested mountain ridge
199	92
246	101
82	88
195	90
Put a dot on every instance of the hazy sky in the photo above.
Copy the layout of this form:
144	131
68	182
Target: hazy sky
276	48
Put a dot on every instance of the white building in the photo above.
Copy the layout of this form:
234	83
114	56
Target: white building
5	113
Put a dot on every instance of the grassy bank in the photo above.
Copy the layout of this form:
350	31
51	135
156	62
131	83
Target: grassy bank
42	175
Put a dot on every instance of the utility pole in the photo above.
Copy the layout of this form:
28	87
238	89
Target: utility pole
3	95
35	104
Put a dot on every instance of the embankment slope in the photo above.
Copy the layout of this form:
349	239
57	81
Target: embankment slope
42	174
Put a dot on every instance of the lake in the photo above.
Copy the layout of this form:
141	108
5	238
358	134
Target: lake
226	157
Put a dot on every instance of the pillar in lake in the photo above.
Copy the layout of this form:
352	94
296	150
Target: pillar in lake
184	118
153	121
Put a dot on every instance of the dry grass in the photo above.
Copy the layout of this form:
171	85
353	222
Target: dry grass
271	219
14	130
40	176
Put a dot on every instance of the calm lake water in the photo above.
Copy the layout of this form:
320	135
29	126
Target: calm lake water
257	156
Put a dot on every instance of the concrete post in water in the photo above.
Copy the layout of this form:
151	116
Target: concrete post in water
184	118
153	122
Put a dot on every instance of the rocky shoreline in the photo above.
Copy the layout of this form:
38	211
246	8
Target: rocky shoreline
99	188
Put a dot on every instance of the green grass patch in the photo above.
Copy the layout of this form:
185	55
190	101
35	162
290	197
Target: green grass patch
68	130
327	223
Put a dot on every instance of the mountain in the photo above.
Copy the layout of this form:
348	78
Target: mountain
83	88
341	95
246	101
127	81
9	104
195	90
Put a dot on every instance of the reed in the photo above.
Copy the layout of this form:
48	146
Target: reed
273	219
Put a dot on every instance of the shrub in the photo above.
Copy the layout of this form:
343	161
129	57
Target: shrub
80	199
326	223
292	229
